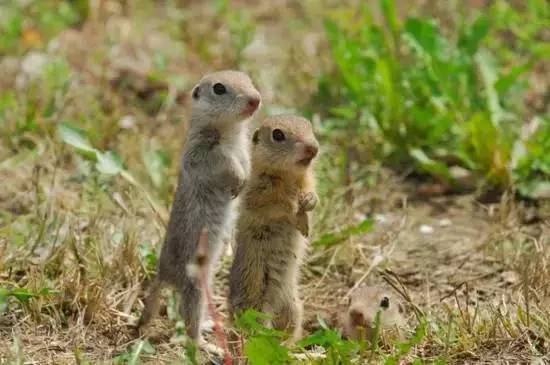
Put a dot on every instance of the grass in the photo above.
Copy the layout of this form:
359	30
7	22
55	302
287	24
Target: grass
93	111
432	101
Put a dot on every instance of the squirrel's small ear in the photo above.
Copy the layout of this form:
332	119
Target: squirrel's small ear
400	308
256	136
196	92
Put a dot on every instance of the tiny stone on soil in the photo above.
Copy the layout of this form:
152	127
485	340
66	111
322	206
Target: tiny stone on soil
426	229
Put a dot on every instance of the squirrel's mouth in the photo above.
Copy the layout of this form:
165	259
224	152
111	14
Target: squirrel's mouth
248	111
305	161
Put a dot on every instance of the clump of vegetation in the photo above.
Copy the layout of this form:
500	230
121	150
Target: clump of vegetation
409	95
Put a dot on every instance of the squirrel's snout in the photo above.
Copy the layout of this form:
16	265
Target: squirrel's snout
310	151
253	103
307	154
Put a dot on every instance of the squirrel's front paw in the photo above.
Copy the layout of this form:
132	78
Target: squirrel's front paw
308	201
237	181
237	187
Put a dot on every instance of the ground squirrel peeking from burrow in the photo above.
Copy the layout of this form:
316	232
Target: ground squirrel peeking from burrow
273	222
365	303
214	167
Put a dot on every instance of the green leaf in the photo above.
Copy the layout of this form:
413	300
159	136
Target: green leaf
322	337
109	163
76	138
331	239
488	71
424	36
506	81
474	34
390	16
250	322
332	341
156	163
265	350
435	168
535	189
23	295
141	346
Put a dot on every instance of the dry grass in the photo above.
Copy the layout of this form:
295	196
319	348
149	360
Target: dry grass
81	241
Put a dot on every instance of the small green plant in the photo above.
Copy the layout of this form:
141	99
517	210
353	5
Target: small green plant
411	96
263	345
23	295
532	162
132	356
338	350
108	163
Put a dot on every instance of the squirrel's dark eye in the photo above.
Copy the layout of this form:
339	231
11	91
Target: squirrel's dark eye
278	135
385	303
219	89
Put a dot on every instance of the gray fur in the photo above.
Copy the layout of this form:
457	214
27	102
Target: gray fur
215	165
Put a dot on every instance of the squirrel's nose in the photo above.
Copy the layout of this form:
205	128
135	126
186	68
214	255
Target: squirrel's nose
311	151
253	103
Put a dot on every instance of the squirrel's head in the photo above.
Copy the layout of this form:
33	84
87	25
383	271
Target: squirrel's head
224	97
366	302
284	143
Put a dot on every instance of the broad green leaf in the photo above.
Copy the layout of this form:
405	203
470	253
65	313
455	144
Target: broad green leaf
536	189
23	295
424	36
435	168
474	34
265	350
76	138
109	163
250	322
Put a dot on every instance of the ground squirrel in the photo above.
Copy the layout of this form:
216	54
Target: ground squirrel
273	222
214	167
364	305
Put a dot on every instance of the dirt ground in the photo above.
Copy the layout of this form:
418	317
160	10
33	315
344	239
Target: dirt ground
447	254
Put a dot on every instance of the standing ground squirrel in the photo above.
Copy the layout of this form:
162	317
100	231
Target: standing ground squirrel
273	222
214	167
364	305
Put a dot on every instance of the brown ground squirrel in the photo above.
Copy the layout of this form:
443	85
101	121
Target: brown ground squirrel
273	222
365	303
214	167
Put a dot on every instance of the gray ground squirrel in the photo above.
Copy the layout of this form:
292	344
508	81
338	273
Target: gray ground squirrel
273	222
214	167
365	303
